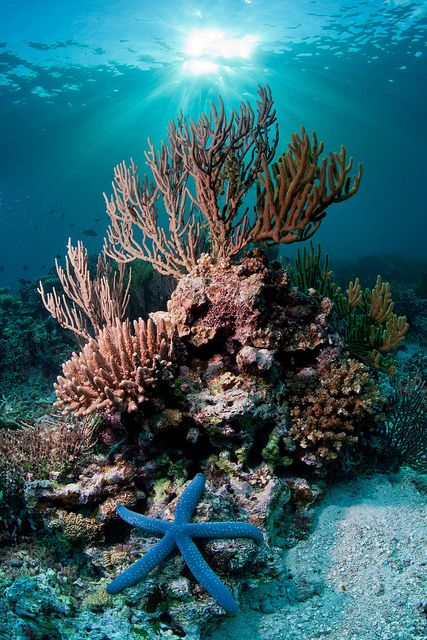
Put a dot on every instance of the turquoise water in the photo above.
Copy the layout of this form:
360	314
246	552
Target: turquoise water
83	84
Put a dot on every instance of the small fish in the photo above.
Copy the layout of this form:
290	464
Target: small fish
58	256
90	232
25	267
43	266
1	267
23	281
35	227
72	225
50	212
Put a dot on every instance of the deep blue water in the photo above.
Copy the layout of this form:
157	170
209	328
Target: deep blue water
83	84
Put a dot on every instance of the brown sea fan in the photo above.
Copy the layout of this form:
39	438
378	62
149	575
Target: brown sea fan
118	369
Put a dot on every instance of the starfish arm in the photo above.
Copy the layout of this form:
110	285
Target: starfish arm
189	499
142	567
150	525
205	575
224	530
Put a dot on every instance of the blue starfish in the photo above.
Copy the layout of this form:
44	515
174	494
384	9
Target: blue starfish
180	533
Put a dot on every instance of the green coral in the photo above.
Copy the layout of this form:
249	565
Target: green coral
272	452
371	328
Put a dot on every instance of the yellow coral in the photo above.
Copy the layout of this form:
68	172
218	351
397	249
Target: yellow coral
113	558
97	600
77	528
107	510
328	403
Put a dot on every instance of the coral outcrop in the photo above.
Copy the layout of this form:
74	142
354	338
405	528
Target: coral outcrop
80	513
246	305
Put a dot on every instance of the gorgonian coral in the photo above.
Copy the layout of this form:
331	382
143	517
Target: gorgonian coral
202	175
118	369
405	429
328	404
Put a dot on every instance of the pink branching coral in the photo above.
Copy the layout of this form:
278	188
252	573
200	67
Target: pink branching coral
328	404
118	369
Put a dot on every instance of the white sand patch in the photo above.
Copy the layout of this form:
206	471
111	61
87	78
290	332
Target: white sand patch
360	575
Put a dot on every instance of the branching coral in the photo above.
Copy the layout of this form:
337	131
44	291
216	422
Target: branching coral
216	156
86	305
293	199
118	369
202	175
372	329
328	404
405	429
35	452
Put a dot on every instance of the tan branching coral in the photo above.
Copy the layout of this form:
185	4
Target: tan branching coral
293	199
372	327
328	404
87	304
118	369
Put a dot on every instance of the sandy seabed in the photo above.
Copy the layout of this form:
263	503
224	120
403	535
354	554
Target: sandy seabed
361	574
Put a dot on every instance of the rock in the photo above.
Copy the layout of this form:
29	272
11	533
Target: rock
34	597
254	361
80	510
303	493
242	303
95	484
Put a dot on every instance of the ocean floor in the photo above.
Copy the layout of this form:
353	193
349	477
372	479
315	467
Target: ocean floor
361	574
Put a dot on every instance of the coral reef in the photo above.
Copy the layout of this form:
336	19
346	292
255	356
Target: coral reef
260	375
167	602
